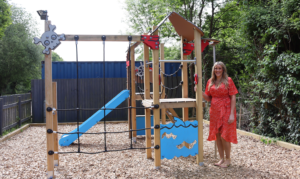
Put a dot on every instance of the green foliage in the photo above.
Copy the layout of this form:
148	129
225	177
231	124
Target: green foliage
268	141
171	53
19	57
259	44
142	15
56	57
274	85
5	14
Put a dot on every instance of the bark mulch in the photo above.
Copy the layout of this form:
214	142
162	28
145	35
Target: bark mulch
24	156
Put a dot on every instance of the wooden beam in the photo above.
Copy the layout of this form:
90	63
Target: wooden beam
147	96
49	115
184	78
162	67
121	38
55	122
156	112
170	117
199	106
171	102
133	101
75	123
172	111
189	104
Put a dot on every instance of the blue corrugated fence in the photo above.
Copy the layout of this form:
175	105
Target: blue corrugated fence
113	69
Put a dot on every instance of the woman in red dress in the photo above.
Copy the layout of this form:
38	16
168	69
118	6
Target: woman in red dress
221	91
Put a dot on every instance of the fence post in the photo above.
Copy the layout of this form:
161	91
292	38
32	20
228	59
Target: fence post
1	116
240	116
19	109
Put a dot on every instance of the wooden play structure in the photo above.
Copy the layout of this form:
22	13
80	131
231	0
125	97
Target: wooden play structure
188	32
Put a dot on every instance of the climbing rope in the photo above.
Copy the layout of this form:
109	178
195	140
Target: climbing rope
103	108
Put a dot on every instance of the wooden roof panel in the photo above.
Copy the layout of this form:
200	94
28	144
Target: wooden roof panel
184	27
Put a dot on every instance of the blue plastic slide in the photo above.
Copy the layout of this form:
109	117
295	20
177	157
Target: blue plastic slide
67	139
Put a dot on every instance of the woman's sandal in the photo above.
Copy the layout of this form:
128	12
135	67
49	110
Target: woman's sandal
220	162
226	163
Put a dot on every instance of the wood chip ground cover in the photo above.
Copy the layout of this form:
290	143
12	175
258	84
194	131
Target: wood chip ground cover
24	156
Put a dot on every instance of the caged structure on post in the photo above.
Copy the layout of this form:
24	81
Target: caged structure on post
189	134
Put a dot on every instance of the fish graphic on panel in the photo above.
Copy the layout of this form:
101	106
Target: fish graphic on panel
178	133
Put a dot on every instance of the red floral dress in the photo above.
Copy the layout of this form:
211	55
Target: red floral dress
220	111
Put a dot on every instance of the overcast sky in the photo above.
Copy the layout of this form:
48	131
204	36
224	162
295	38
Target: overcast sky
83	17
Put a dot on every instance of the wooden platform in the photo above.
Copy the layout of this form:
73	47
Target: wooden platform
138	96
172	103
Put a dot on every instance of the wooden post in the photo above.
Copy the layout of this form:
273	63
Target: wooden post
199	106
129	110
184	78
1	116
214	58
133	100
162	68
49	115
19	111
55	122
147	96
156	115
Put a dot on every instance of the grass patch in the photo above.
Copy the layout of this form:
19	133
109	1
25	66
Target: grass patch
15	128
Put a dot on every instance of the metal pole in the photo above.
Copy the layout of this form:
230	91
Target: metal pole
214	52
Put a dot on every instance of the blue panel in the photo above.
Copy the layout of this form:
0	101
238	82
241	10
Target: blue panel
187	134
170	68
67	139
68	70
140	124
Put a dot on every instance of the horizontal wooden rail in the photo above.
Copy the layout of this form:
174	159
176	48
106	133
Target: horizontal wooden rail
122	38
258	137
15	104
16	123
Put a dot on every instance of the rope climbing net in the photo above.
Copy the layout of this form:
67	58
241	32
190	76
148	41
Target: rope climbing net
78	109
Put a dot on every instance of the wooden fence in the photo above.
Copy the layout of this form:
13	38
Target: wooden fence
91	95
14	110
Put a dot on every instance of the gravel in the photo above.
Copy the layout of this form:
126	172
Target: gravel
24	156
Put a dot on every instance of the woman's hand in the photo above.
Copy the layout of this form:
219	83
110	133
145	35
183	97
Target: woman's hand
231	118
207	98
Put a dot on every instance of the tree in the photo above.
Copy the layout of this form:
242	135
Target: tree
272	30
56	57
19	57
5	19
144	14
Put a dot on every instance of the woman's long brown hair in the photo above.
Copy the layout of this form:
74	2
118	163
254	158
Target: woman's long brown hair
224	78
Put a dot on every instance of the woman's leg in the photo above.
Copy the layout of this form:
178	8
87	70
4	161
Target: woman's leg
220	149
227	148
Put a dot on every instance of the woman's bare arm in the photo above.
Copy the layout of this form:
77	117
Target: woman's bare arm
232	103
206	97
232	107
